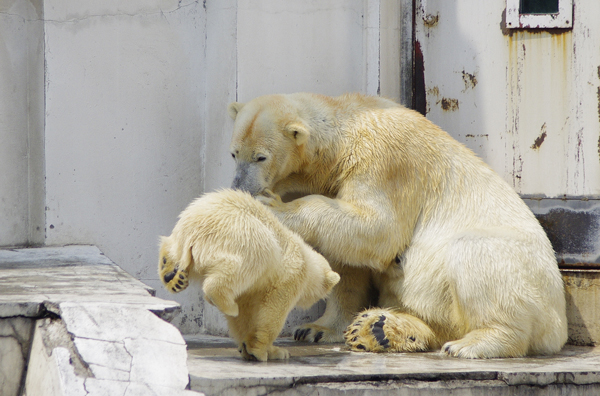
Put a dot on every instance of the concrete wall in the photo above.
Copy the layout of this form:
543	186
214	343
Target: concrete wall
21	122
113	113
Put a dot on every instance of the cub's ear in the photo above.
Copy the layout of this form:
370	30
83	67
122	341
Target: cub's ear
299	131
234	108
331	279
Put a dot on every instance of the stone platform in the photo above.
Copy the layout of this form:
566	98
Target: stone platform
330	369
74	323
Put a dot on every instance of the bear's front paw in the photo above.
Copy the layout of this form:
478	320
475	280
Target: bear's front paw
378	330
315	333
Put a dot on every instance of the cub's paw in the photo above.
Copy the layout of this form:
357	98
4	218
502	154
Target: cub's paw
276	353
173	278
378	330
315	333
253	354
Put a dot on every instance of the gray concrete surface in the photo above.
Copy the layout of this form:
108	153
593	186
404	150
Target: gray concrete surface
74	323
330	369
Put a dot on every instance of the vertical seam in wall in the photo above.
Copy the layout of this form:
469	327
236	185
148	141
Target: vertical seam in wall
237	55
379	52
205	93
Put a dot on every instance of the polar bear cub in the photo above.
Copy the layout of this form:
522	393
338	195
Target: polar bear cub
252	268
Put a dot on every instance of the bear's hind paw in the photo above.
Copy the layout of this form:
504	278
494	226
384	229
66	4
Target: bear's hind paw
176	280
379	330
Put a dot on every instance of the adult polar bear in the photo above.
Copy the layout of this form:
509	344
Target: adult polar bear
459	260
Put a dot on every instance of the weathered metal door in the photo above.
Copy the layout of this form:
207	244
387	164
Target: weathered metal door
526	100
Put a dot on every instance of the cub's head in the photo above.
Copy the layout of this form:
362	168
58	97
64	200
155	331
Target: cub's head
268	140
173	270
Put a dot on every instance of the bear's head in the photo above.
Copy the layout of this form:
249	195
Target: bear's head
268	140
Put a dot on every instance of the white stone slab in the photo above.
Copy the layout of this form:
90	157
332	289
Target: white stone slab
116	322
158	362
107	354
30	277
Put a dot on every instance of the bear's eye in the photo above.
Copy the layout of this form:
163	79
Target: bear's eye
261	158
164	260
233	155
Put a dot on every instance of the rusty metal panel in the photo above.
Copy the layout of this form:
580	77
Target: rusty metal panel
526	101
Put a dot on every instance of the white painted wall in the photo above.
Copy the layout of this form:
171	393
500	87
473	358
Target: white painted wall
114	115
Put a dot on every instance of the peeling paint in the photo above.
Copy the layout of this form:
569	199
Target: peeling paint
469	79
449	104
435	91
538	142
431	20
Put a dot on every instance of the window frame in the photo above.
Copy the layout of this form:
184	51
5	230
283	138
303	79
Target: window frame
561	20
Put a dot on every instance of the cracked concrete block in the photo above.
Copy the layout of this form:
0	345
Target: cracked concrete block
50	372
115	322
107	373
158	363
11	366
15	336
103	387
108	354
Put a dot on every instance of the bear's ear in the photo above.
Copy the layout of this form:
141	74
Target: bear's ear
299	132
234	108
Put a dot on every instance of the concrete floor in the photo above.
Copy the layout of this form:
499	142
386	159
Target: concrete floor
216	368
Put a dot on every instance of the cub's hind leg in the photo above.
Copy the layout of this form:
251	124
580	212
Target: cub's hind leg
174	276
262	316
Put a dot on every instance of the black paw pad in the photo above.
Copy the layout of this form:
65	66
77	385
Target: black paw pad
318	336
378	333
169	277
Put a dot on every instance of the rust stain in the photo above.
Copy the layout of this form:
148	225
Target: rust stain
431	20
538	142
469	79
449	104
434	91
598	103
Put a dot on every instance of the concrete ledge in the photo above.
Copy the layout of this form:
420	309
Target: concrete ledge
330	369
96	329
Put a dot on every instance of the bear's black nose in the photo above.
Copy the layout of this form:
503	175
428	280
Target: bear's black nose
169	276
